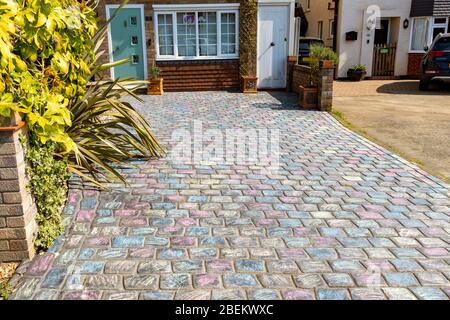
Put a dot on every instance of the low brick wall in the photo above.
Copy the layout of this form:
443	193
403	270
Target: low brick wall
301	76
17	210
414	61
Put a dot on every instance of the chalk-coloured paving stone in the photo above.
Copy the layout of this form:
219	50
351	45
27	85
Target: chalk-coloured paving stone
81	295
157	295
124	241
193	295
275	280
428	293
338	280
207	281
192	266
367	294
399	294
54	278
26	289
40	265
298	294
102	281
239	280
170	254
432	279
229	294
120	296
175	281
141	282
332	294
400	279
91	267
309	281
154	266
249	266
263	294
120	267
46	294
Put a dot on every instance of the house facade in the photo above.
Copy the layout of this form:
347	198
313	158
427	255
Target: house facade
320	16
429	18
196	44
386	36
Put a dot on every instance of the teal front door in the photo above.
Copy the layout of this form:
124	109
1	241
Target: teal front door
127	42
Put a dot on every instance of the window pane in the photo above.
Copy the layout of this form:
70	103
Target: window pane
207	32
228	36
420	32
437	31
186	34
440	20
165	34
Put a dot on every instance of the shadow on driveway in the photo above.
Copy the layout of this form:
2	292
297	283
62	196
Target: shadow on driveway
412	87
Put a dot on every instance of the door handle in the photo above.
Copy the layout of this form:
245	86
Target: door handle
272	44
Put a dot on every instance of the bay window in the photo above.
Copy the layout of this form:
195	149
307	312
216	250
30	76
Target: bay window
197	34
425	30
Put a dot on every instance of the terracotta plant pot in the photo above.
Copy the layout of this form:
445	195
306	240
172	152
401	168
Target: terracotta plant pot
249	84
327	64
355	75
308	98
155	87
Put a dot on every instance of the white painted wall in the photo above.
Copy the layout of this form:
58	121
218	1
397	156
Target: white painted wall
353	17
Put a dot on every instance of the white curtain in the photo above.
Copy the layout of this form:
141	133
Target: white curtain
420	34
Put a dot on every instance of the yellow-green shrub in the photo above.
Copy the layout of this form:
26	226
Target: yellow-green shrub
43	45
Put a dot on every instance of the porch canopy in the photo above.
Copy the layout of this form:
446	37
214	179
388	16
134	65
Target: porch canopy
430	8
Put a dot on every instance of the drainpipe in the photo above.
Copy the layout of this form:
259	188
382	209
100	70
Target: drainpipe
336	23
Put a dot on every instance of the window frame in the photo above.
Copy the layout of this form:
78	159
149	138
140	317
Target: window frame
332	30
431	26
320	29
196	10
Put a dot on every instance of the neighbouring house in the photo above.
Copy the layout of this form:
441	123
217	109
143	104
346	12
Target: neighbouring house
320	17
429	18
196	43
390	46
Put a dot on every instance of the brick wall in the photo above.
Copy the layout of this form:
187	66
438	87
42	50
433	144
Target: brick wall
301	76
17	210
414	61
149	30
200	75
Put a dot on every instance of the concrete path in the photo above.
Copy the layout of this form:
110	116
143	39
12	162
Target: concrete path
340	219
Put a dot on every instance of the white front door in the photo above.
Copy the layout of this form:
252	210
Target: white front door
273	22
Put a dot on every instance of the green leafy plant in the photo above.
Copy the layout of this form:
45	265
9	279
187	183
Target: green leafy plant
43	48
48	177
319	53
49	51
155	72
5	290
358	67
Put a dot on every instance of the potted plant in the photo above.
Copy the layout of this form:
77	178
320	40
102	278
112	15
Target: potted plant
155	83
249	84
357	72
320	57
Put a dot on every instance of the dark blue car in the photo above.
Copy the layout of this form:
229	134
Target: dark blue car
436	63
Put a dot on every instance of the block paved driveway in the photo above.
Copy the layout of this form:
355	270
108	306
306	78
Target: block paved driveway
341	219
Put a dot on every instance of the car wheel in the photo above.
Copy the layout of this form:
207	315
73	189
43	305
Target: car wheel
424	84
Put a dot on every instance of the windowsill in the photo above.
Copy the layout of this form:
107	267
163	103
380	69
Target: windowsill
196	58
417	51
